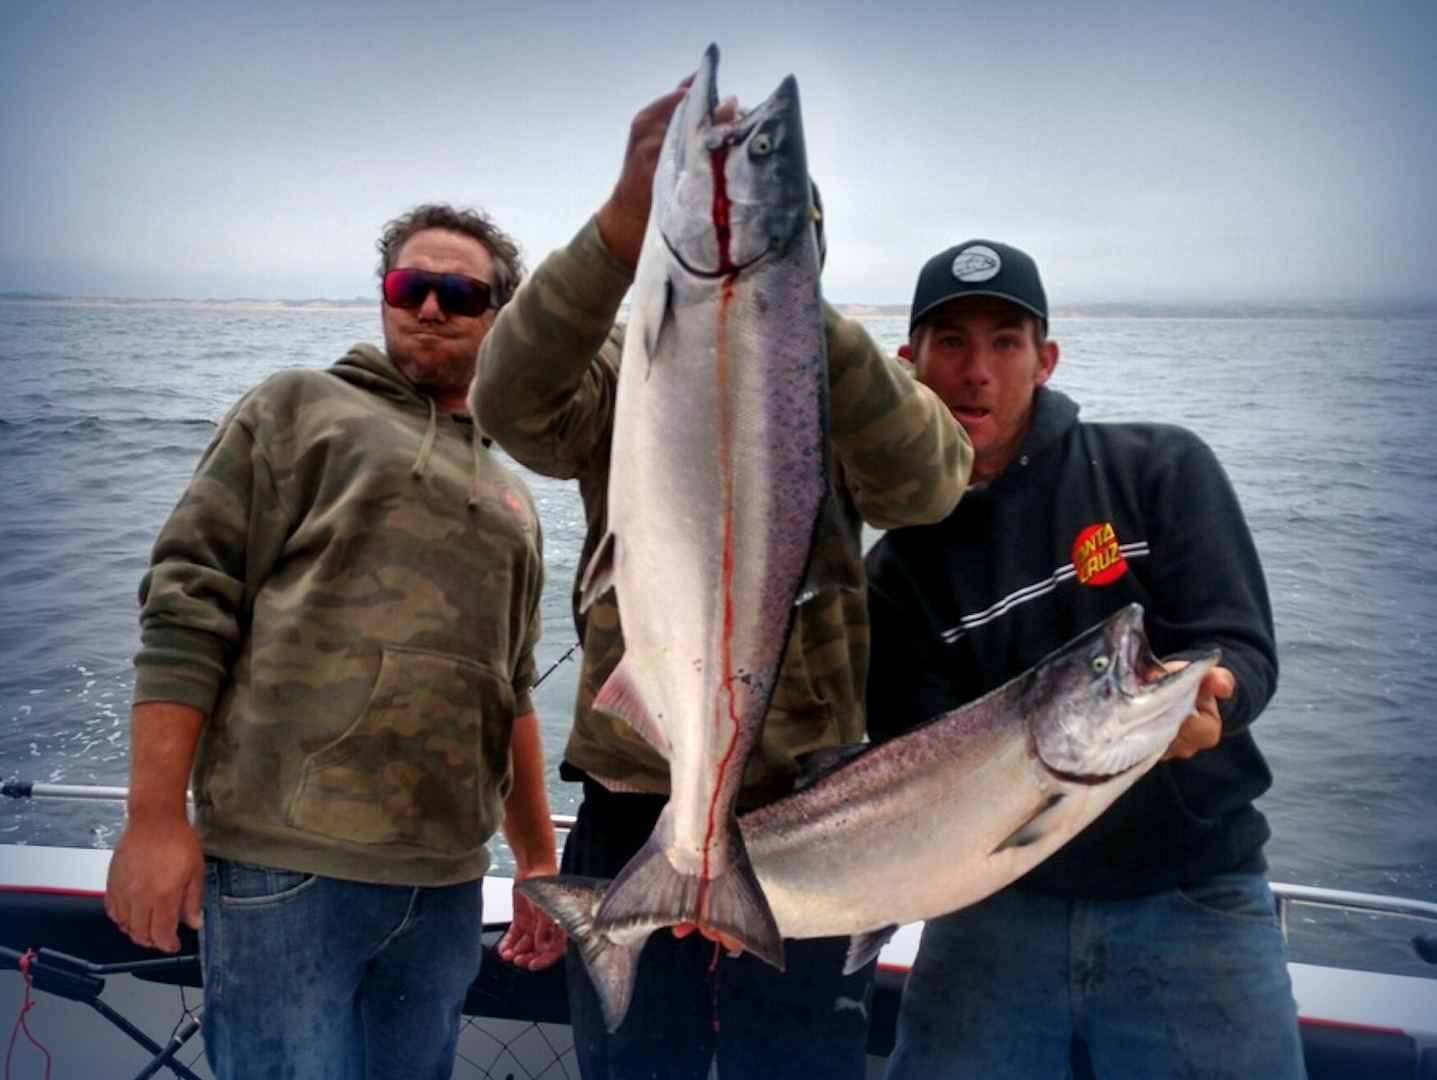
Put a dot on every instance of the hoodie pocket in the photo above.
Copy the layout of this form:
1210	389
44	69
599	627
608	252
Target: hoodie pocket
414	767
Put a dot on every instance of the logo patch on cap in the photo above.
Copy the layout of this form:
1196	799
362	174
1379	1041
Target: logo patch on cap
977	264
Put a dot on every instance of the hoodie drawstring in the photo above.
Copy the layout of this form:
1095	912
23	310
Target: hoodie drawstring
421	462
426	450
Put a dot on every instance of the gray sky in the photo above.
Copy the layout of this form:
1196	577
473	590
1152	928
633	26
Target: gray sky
1166	151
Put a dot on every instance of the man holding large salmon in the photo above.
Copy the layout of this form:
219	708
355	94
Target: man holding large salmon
1151	940
549	391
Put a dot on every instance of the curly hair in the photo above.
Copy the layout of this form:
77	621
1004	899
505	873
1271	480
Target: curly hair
503	251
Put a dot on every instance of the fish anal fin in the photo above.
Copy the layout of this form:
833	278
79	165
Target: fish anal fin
620	696
1032	830
864	948
650	893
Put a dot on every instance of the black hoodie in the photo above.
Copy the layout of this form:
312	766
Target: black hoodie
1086	519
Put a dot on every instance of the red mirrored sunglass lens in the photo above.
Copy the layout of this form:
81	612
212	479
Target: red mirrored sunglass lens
457	294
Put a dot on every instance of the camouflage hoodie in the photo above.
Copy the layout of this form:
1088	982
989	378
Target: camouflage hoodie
544	390
349	590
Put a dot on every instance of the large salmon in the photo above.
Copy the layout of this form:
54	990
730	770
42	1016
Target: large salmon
946	814
721	514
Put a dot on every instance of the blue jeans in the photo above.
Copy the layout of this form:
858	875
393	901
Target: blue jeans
694	1005
313	978
1191	982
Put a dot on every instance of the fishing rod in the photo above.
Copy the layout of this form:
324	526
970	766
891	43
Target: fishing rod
555	665
26	789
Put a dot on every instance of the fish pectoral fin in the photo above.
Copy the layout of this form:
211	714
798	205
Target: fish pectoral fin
649	892
864	948
598	575
621	697
1032	830
657	303
572	902
836	559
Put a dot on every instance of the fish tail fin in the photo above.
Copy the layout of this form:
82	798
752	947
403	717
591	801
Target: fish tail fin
650	893
572	902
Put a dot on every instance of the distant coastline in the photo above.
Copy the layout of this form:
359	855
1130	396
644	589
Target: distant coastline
244	303
1365	310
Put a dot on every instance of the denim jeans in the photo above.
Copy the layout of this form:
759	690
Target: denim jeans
1187	983
313	978
693	1005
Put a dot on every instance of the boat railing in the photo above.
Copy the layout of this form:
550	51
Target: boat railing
1288	896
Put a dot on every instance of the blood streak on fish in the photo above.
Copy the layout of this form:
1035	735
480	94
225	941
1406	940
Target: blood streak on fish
722	218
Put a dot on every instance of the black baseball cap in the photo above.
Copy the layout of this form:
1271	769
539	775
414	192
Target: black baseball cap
980	268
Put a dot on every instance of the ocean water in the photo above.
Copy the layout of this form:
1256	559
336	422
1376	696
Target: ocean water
1324	424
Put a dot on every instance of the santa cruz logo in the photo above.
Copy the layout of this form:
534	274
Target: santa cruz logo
1097	557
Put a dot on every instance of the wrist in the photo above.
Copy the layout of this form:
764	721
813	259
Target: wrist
619	234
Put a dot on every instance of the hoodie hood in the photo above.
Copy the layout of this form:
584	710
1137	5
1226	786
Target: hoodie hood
371	369
1054	414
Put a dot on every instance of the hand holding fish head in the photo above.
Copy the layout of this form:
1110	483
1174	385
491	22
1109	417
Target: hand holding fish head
625	215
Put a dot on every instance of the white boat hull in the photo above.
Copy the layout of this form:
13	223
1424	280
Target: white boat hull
1357	1024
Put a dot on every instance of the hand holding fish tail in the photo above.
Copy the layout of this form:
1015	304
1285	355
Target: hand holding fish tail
1203	729
534	940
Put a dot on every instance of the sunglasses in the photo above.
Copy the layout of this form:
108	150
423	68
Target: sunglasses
457	294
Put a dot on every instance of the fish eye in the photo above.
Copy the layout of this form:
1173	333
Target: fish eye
761	145
1101	665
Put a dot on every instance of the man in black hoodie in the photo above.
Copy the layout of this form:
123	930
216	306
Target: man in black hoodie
1152	937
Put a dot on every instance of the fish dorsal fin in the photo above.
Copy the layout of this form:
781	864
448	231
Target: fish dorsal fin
816	764
1032	830
836	561
598	576
620	696
863	948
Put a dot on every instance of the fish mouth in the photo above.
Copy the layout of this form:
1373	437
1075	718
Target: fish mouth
1143	668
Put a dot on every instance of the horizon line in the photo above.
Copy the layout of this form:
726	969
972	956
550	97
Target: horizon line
1103	308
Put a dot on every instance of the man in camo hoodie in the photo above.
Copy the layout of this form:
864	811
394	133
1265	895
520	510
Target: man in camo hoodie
545	390
338	627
